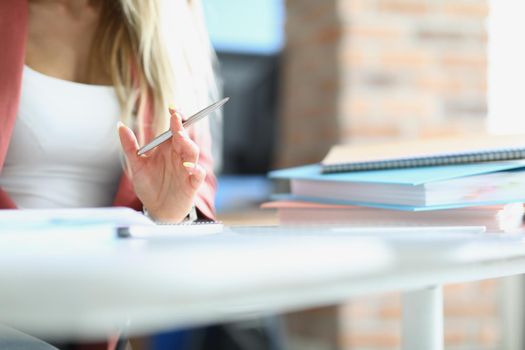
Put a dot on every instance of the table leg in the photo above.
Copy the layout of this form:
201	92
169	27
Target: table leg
512	309
423	319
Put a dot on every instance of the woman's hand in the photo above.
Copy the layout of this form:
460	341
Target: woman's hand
167	178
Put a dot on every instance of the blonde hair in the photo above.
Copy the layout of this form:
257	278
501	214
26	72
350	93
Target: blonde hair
158	53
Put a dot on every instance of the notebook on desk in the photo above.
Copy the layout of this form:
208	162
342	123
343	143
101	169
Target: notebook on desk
414	189
429	152
496	218
117	221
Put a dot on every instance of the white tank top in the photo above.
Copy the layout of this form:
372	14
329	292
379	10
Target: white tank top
64	151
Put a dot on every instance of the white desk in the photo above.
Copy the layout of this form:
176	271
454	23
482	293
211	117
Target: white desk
87	285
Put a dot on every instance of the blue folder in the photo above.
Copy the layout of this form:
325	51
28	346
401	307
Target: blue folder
407	176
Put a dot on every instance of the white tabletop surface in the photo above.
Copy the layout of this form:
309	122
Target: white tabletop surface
90	284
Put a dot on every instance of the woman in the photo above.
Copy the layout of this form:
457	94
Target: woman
69	70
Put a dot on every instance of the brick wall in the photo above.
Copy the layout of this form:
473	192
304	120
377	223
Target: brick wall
310	81
472	319
368	70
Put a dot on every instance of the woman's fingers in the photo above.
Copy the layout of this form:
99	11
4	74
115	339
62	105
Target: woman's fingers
130	146
176	129
189	152
197	177
175	121
182	144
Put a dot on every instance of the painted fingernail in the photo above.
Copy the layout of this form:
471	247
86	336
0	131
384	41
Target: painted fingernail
172	107
189	165
120	125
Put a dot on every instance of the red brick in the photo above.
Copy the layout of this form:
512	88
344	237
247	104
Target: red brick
371	131
405	58
357	106
390	312
405	7
450	84
375	31
465	61
405	107
377	340
472	309
472	9
455	337
356	6
489	335
489	286
328	35
351	57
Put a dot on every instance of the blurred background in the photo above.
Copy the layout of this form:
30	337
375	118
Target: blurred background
248	37
307	74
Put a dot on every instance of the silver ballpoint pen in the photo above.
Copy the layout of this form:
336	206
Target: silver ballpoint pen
191	120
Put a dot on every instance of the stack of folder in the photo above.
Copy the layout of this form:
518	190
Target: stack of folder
466	181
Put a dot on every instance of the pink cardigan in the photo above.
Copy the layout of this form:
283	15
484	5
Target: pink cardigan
13	36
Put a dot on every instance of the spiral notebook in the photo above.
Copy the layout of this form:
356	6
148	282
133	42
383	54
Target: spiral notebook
431	152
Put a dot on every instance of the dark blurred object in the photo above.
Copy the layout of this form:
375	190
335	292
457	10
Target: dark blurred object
264	333
249	125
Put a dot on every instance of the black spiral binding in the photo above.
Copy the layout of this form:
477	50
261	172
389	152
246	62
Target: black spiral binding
443	159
